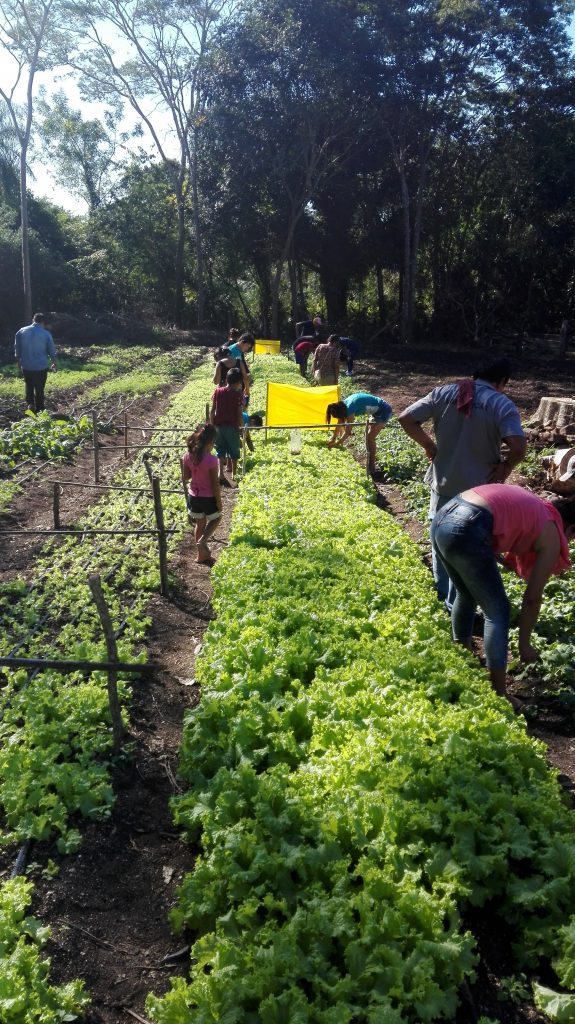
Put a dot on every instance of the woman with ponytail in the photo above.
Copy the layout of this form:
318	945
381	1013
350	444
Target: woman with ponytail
200	470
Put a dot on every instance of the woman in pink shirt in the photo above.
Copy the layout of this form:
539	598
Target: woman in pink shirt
472	532
200	470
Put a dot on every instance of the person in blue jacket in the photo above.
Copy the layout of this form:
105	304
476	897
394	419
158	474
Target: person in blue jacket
360	404
35	353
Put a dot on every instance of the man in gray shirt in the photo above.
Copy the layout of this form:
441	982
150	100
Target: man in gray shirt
470	421
35	352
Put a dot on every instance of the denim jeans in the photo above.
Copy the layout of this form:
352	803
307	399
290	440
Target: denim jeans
462	536
444	586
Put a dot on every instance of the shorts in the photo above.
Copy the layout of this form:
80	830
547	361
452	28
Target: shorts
200	507
227	442
381	416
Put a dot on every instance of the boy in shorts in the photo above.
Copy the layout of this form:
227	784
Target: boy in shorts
226	416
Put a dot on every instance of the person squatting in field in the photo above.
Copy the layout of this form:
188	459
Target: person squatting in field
359	404
200	470
226	416
471	419
470	532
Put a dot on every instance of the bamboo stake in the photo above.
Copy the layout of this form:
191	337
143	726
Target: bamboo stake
112	649
162	545
74	666
56	502
96	449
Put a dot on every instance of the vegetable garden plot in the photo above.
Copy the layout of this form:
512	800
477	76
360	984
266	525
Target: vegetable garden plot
354	780
55	739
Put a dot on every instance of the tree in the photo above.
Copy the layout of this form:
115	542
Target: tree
157	68
81	151
32	36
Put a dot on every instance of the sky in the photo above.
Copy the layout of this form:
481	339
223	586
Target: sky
41	181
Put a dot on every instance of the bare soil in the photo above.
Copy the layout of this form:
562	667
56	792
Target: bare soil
108	906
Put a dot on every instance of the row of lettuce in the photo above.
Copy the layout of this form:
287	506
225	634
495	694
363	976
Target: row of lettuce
55	729
354	782
404	464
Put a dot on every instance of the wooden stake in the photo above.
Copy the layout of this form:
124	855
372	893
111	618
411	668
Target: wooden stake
112	649
56	501
125	435
96	449
162	544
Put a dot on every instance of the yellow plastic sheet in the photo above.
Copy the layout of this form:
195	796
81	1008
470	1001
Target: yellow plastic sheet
267	348
289	406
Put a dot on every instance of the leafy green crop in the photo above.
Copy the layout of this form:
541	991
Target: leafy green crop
353	779
39	436
26	997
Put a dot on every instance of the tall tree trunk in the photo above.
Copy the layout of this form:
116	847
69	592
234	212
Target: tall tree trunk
301	303
200	275
380	294
406	262
293	292
27	285
179	263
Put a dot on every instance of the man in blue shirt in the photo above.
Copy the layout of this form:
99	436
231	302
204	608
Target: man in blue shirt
35	353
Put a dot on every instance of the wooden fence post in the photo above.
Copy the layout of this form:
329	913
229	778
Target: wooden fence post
125	434
162	544
112	649
56	494
96	449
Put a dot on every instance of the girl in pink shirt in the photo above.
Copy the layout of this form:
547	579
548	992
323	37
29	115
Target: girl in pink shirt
468	535
200	470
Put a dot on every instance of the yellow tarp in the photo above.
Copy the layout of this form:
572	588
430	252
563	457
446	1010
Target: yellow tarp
267	348
289	406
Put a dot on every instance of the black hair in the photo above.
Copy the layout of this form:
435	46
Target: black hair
221	353
495	371
248	339
256	420
566	509
337	410
335	338
233	333
38	318
203	435
234	376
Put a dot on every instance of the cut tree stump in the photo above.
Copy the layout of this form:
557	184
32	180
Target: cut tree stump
556	413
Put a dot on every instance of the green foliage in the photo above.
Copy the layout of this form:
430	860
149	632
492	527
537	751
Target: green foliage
38	436
353	779
26	996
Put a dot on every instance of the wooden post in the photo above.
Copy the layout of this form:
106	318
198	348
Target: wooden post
96	449
244	452
366	451
56	494
125	434
112	649
147	467
162	545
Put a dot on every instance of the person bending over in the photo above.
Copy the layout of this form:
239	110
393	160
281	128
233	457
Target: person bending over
361	404
470	532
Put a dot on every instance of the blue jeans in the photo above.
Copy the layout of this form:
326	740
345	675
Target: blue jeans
444	586
462	536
